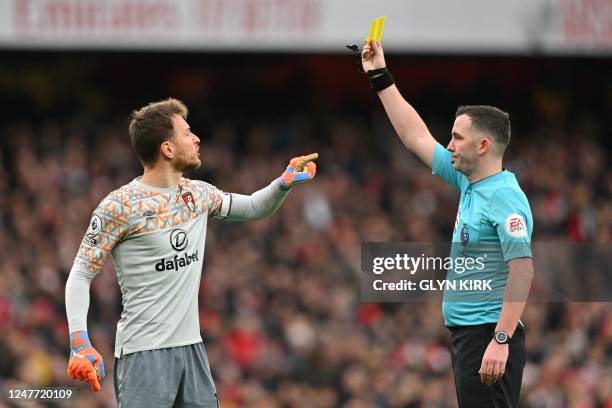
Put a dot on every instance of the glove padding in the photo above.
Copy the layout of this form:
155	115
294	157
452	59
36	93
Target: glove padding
300	170
85	363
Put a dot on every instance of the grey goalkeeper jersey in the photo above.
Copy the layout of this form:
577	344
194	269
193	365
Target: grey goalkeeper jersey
156	239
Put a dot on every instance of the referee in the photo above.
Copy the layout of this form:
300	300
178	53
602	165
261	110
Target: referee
493	222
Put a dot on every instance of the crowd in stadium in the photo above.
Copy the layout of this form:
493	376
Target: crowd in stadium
280	309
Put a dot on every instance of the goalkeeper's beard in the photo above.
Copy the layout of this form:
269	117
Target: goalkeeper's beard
186	162
184	165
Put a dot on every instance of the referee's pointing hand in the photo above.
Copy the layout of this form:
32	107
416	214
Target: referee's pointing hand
493	363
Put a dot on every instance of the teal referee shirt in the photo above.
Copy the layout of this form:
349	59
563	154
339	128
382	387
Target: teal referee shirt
493	226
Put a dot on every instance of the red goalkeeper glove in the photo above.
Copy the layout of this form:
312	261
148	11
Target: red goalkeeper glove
300	170
85	363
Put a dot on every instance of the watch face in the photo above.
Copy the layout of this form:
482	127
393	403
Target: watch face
501	337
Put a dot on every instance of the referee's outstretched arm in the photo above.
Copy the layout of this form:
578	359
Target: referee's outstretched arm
407	123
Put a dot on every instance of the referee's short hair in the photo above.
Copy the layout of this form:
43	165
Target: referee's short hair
491	120
151	125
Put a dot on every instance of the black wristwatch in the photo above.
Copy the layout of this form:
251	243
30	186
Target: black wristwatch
501	337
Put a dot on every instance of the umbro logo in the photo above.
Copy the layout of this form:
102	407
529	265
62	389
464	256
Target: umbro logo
149	213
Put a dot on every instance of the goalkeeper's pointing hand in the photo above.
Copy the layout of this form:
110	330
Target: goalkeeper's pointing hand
85	363
300	170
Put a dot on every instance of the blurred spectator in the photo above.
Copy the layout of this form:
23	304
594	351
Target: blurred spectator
280	305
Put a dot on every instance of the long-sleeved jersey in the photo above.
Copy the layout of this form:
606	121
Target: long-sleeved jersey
156	238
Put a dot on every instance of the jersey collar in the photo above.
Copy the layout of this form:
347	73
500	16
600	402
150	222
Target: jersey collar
154	189
492	177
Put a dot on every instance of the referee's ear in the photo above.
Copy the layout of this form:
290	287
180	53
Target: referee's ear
485	145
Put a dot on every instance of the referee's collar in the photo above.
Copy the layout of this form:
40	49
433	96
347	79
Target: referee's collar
492	177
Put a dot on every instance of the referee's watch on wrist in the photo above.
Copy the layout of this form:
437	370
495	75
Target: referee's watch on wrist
501	337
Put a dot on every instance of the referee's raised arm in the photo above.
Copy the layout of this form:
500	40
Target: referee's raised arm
405	120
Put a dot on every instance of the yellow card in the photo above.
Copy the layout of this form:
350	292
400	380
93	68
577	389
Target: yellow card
306	159
376	29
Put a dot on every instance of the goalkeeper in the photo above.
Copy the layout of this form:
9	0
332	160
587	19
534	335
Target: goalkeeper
155	228
493	221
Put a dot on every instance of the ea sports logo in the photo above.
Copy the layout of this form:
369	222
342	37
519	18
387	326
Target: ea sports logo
515	226
178	239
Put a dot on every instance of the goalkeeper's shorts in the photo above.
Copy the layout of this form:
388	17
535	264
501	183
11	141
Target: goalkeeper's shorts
170	377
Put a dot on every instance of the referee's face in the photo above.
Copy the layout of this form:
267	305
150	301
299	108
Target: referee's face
463	145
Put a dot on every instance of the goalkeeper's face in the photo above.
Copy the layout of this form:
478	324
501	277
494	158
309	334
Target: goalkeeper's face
464	145
186	146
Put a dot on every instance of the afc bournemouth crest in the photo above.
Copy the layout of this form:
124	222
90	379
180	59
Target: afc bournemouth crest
189	201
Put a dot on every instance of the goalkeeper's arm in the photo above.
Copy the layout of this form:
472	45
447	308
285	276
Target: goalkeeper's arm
264	202
85	364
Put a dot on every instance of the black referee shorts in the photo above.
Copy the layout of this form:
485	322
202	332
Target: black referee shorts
468	344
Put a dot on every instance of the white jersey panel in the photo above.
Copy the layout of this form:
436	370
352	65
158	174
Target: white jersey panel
159	275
